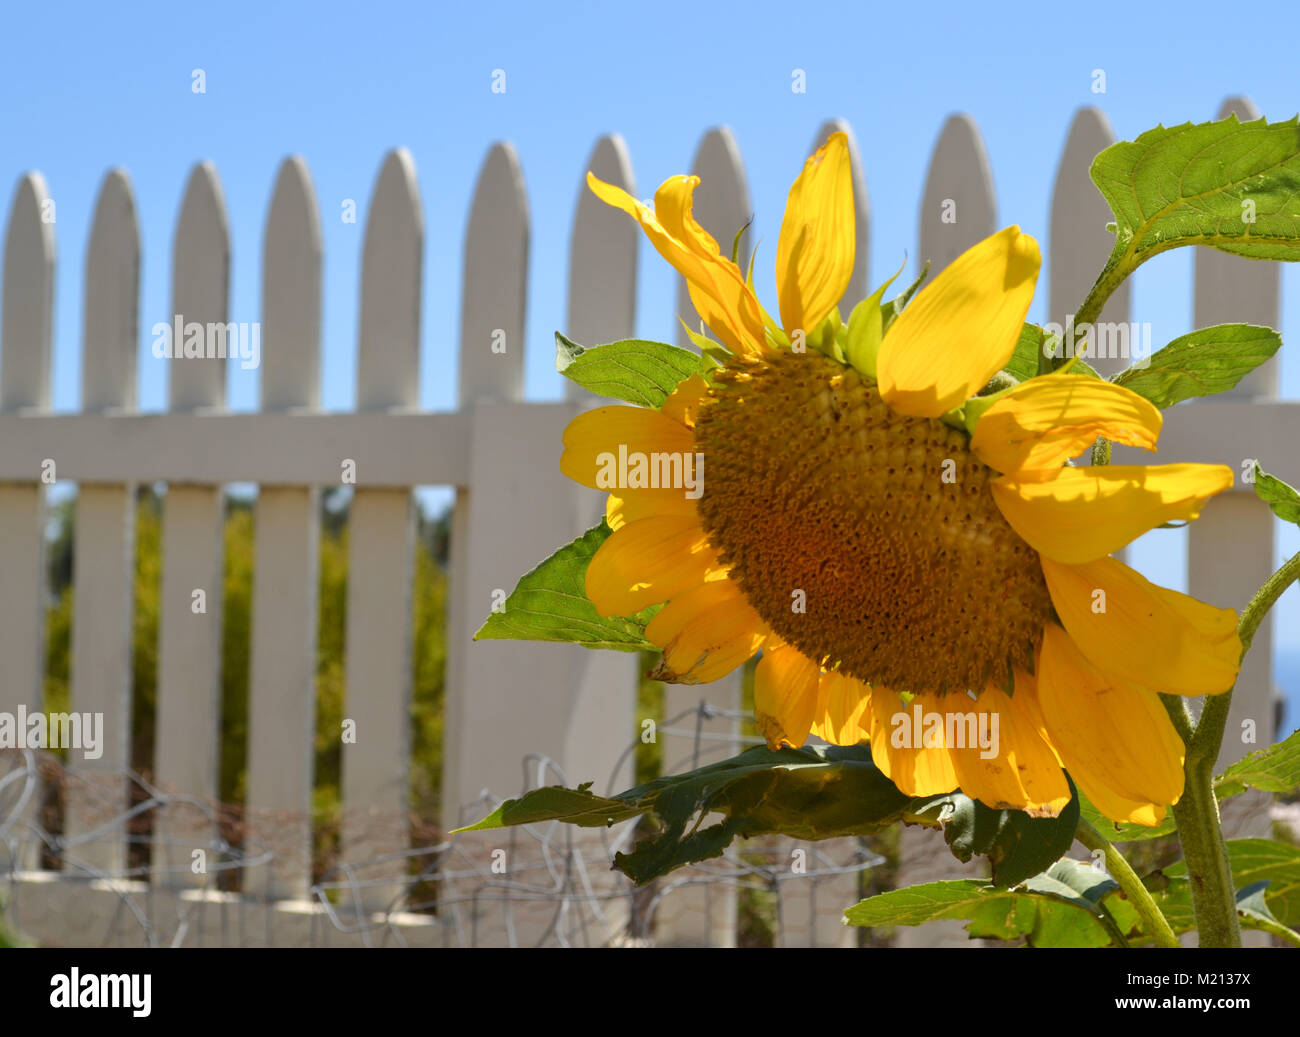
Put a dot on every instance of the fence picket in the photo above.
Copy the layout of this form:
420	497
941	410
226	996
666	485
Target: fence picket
493	298
958	208
190	601
282	678
1080	242
381	532
104	550
602	258
26	334
492	316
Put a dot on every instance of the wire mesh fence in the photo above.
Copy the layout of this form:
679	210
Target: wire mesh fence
188	882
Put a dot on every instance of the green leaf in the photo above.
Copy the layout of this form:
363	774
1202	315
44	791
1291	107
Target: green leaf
953	899
1251	902
1282	499
634	369
815	793
819	792
556	803
550	604
1018	846
1203	184
1275	769
1253	861
1060	908
1023	364
1208	361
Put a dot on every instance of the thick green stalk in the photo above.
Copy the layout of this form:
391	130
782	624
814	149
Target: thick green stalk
1214	898
1197	813
1153	922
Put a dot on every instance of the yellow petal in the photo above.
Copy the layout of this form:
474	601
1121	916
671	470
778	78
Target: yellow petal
844	710
1086	513
961	328
684	402
1146	634
814	255
716	285
785	695
1017	770
902	753
1118	808
646	562
632	505
705	633
1038	425
592	441
1114	737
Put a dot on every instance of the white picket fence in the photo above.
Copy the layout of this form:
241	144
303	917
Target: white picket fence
505	700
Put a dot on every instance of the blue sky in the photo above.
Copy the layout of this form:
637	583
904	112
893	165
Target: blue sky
85	87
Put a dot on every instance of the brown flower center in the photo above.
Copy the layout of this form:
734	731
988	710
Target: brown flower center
865	538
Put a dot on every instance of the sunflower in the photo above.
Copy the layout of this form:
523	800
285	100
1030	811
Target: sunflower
910	584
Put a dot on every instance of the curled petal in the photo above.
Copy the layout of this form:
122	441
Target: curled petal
716	285
961	328
705	633
1086	513
1038	425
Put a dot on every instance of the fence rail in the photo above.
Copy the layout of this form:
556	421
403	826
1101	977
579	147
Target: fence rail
500	453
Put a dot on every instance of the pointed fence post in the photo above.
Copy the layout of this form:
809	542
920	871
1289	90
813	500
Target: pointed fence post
188	728
26	335
1080	244
104	550
381	550
282	673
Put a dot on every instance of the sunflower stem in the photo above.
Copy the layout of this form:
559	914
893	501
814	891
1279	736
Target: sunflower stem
1264	600
1153	922
1111	277
1176	707
1214	901
1197	812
